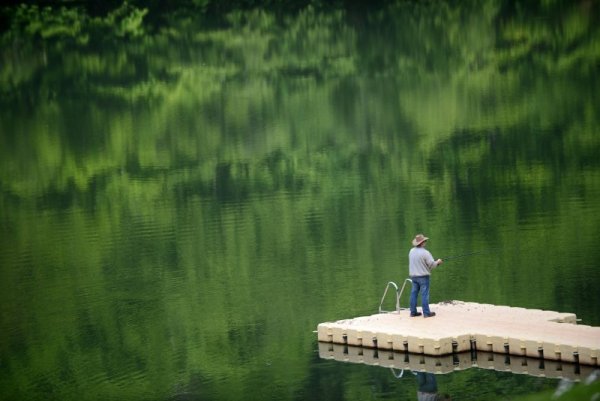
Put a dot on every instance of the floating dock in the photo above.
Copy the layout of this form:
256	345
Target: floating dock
472	327
450	363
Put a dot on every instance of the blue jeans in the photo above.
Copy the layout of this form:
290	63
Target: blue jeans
420	284
427	383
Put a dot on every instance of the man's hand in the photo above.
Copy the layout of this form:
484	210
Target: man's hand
439	262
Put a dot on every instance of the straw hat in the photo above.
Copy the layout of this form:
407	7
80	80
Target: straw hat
419	239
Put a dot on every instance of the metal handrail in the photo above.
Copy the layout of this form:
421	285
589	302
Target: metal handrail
398	295
384	294
402	289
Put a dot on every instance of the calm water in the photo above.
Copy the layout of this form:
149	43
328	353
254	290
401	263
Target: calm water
179	212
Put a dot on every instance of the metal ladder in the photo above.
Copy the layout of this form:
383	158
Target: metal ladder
398	295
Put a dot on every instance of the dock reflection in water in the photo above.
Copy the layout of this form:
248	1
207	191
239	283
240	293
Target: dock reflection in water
399	361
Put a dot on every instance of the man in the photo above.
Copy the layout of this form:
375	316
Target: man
420	265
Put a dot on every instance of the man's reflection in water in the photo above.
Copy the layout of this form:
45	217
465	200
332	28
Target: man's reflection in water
427	388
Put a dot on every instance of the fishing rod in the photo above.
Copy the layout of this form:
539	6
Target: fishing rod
464	255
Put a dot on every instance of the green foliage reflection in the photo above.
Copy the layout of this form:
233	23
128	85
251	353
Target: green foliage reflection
170	196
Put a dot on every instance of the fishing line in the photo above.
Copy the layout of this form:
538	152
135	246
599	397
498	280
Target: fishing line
464	255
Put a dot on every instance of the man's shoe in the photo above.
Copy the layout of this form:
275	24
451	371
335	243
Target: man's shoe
430	315
415	314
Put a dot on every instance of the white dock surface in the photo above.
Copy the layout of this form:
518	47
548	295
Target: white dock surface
462	326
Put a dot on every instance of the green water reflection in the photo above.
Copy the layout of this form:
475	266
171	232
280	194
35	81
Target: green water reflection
180	210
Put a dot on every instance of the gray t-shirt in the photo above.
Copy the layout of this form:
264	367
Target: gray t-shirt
428	396
420	262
